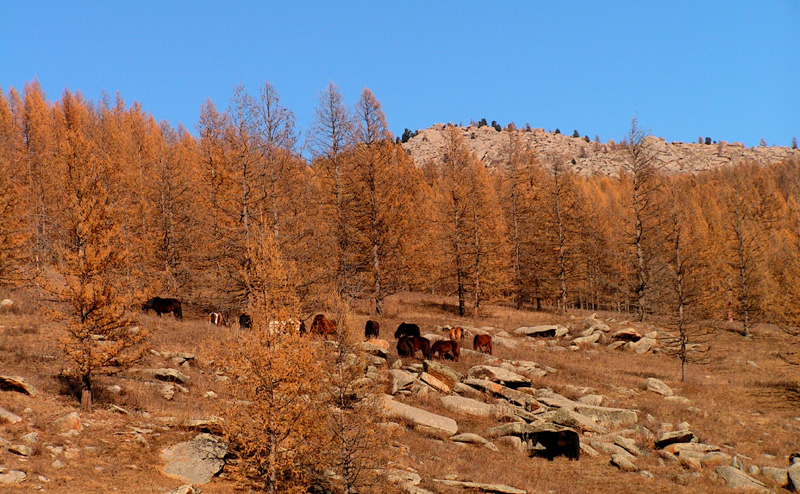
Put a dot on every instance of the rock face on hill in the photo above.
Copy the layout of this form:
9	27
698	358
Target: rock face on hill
594	158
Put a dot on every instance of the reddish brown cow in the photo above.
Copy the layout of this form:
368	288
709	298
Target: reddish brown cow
323	326
456	334
482	343
407	346
444	347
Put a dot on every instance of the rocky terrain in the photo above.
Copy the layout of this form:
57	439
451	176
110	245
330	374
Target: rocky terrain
465	426
593	158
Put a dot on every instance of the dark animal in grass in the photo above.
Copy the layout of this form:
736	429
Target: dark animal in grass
407	346
456	334
556	443
445	347
406	329
323	326
245	321
163	305
216	319
371	329
482	343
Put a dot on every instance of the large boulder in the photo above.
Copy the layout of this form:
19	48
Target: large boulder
595	324
69	422
400	379
523	430
524	400
644	345
736	479
471	438
577	421
196	461
612	417
169	375
12	477
435	382
623	463
499	375
421	420
672	437
794	476
588	340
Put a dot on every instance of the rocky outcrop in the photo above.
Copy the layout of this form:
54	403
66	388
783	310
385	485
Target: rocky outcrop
657	386
736	479
18	384
479	487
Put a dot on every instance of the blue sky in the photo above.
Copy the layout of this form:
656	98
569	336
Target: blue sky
729	70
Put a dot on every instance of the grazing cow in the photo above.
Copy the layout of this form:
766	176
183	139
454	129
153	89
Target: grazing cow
216	319
556	443
406	329
163	305
456	334
323	326
245	321
407	346
371	329
445	347
482	343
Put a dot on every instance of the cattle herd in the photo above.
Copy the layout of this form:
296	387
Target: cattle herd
408	336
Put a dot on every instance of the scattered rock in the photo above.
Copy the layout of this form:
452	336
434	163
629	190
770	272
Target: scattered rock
546	331
20	449
736	479
575	420
69	422
184	489
170	375
18	384
442	372
628	334
421	420
473	439
31	437
594	400
623	463
195	461
793	473
479	487
6	416
512	442
400	379
612	449
644	345
12	477
778	475
498	375
467	406
587	340
628	445
668	438
435	383
657	386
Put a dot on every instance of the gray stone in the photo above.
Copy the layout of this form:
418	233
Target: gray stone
623	463
736	479
644	345
473	439
21	449
613	417
588	450
184	489
467	406
512	442
498	375
587	340
12	477
169	375
793	472
69	422
31	437
400	379
668	438
521	429
421	420
778	475
6	416
514	396
442	372
435	383
18	384
195	461
617	345
577	421
628	445
594	400
611	449
479	487
6	304
548	330
628	334
657	386
401	477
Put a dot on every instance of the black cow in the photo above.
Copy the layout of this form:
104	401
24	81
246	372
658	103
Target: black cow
371	329
556	443
406	329
245	321
163	305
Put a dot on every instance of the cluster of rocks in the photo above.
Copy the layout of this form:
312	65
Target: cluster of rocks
593	158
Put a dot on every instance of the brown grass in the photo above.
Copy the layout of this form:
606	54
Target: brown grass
743	409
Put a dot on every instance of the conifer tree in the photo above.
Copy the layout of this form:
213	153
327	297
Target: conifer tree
99	337
14	233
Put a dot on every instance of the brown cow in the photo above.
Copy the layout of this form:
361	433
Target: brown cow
407	346
323	326
445	347
482	343
456	334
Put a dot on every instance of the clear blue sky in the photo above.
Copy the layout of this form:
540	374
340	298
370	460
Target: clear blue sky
729	70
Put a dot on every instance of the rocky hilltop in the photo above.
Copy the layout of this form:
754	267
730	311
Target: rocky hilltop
594	158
